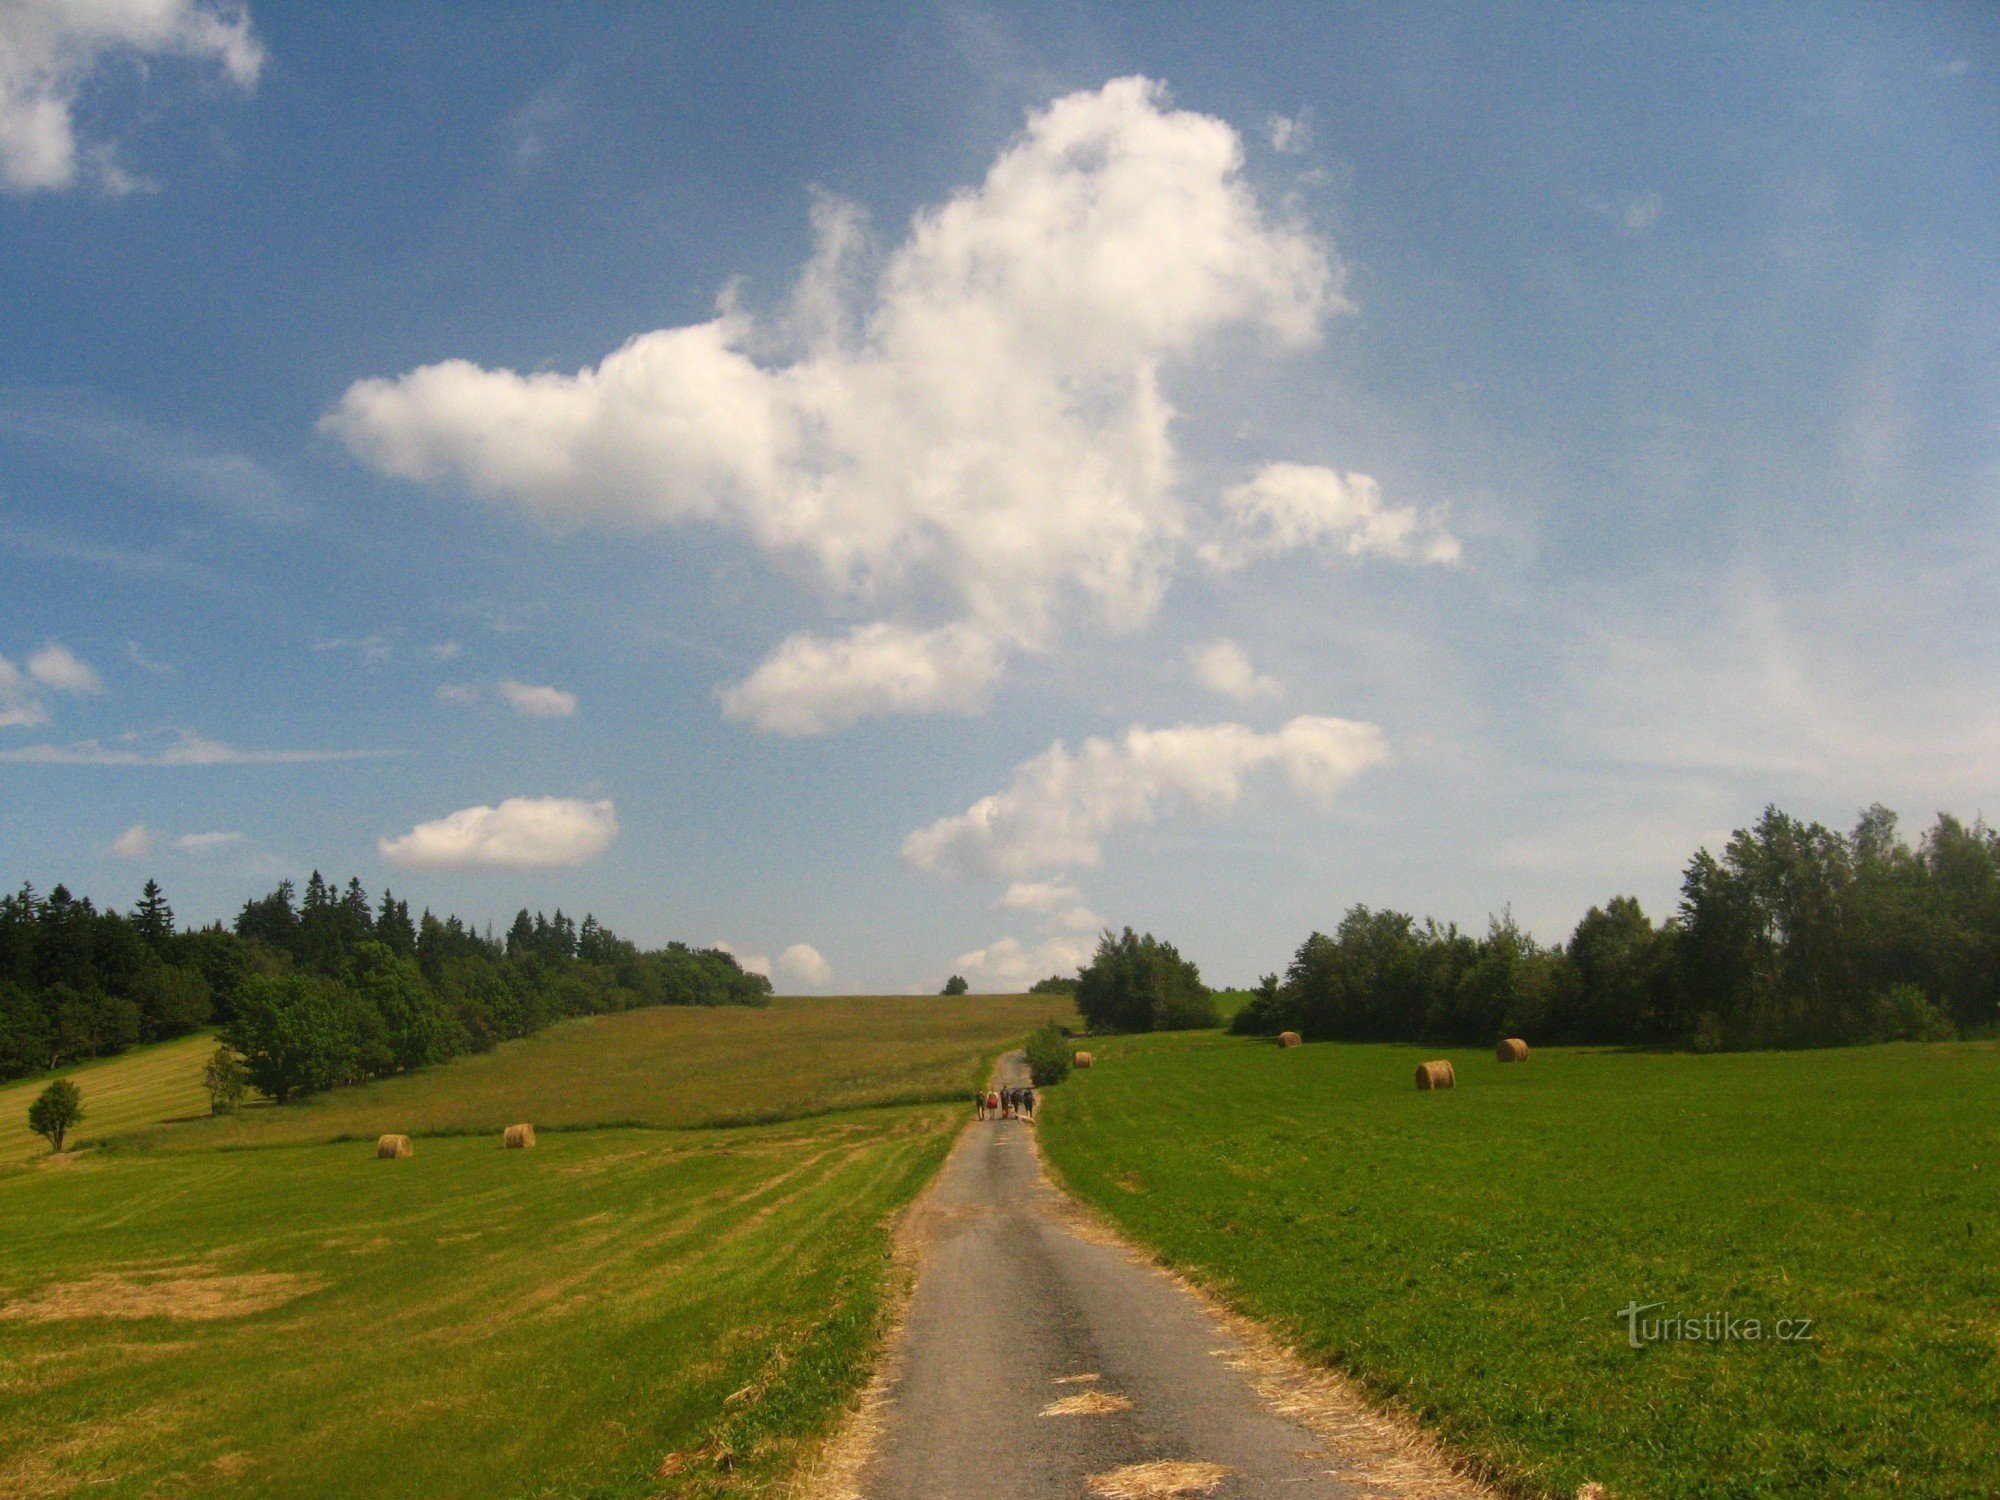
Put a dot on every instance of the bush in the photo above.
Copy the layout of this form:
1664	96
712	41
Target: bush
1055	984
1142	984
1048	1055
56	1111
226	1080
1904	1013
955	985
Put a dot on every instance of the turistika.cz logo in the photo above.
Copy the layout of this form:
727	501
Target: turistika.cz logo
1709	1328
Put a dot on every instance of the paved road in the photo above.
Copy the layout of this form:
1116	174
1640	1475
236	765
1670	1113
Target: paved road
1013	1306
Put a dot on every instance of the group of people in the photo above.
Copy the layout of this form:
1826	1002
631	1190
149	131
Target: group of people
1006	1104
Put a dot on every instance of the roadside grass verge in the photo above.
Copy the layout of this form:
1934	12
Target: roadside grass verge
146	1086
1466	1253
614	1313
674	1066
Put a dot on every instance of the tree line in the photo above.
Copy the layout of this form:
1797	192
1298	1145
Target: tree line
316	991
1795	935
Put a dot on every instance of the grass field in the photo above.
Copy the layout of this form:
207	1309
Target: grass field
665	1066
1467	1253
143	1087
617	1312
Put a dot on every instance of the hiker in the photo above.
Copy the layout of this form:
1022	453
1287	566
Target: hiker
1026	1103
992	1103
979	1103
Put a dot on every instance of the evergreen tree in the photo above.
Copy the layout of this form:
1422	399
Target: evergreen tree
153	917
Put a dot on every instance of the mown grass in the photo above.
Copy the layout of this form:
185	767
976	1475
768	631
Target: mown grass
1466	1253
470	1321
618	1312
148	1086
667	1066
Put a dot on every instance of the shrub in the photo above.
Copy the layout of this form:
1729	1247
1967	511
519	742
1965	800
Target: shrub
955	985
1142	984
1055	984
56	1111
226	1080
1904	1013
1048	1052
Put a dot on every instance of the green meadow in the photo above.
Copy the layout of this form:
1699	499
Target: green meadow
258	1306
1466	1253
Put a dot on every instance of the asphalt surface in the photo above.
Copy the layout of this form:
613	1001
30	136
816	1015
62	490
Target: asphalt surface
1012	1304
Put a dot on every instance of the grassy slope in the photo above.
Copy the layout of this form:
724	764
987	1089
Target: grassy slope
142	1087
477	1321
671	1066
473	1321
1467	1252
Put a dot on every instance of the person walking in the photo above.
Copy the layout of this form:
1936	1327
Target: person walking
979	1103
1027	1101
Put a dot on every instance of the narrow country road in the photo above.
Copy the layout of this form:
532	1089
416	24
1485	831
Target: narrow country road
1039	1359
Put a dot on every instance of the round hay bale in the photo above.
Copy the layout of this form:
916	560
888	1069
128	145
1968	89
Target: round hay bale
393	1147
1289	1039
1435	1075
518	1137
1512	1050
1082	1060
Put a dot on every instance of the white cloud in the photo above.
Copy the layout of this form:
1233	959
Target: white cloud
50	48
1287	506
1958	67
1010	966
1289	134
810	685
457	694
972	423
183	749
56	666
1224	667
802	961
522	833
443	651
135	842
537	702
201	843
1058	807
1039	895
137	656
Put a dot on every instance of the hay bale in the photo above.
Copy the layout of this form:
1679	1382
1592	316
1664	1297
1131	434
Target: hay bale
393	1147
1435	1075
1512	1050
1082	1060
1289	1039
518	1137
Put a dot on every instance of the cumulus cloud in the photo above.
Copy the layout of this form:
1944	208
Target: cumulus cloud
810	685
1010	966
135	842
1058	807
967	432
49	49
1224	667
522	833
537	702
52	668
56	666
1288	506
181	749
802	961
1056	900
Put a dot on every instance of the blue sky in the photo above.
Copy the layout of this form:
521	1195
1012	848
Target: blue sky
892	489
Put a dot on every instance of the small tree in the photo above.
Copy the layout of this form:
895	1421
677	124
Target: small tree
226	1080
955	985
55	1113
